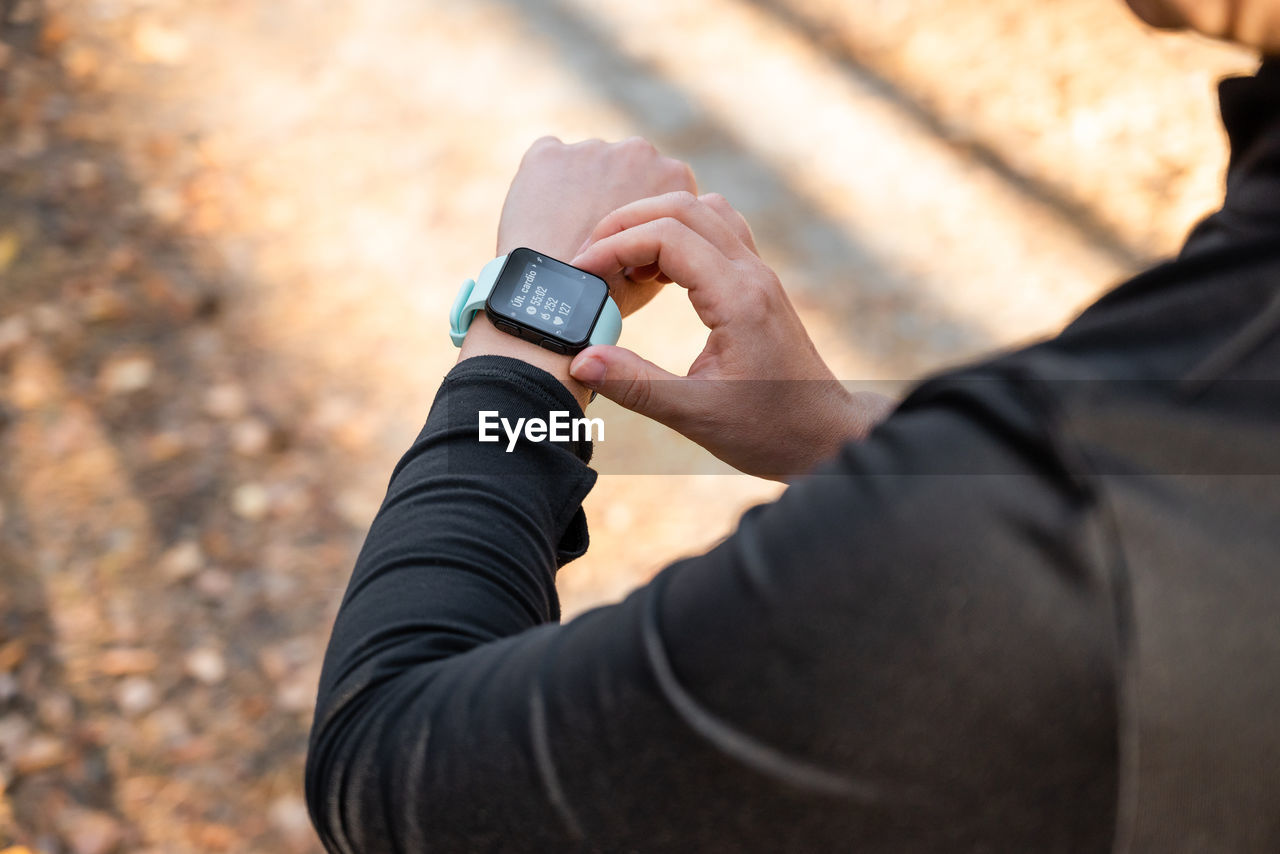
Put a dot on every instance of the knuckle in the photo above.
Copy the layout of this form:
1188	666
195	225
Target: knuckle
762	276
727	212
686	176
666	227
761	284
678	172
683	200
640	144
635	393
772	297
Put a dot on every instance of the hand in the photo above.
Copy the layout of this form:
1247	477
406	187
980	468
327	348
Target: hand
558	194
758	396
562	191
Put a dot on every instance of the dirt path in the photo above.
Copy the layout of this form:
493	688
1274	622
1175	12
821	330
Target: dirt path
229	232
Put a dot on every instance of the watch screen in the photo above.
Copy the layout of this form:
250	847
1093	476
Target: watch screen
549	296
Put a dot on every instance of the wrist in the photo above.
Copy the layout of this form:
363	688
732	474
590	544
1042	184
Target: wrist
484	340
555	246
836	419
867	409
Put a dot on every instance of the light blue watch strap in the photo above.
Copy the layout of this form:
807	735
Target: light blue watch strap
608	324
473	293
470	299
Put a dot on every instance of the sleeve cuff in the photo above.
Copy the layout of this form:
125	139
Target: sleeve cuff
530	378
517	389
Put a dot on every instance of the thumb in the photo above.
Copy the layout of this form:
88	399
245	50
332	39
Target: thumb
628	380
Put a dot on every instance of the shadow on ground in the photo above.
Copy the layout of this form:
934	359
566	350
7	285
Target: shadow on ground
166	506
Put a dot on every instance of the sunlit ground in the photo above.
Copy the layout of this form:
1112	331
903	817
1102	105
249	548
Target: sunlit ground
231	231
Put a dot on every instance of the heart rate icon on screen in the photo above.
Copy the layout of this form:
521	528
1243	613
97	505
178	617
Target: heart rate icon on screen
559	321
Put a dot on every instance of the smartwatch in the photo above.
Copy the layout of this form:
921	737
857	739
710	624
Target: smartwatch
542	300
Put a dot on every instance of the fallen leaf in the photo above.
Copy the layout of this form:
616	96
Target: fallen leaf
128	662
206	665
136	695
40	753
226	400
250	437
159	44
182	561
14	332
56	30
250	501
10	245
11	654
127	374
81	63
91	832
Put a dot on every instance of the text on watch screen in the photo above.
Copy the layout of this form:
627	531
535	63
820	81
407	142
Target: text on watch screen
545	297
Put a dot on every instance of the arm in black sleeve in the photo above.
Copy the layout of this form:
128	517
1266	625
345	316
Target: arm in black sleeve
913	650
462	553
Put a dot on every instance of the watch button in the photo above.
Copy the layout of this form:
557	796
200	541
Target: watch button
553	346
506	327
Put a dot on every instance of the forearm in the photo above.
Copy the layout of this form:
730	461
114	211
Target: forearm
462	553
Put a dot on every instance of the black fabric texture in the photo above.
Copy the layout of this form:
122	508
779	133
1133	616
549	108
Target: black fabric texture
1036	610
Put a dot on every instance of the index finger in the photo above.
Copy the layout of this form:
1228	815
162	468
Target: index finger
694	212
682	254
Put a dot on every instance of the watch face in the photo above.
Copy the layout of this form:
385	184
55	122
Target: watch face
548	297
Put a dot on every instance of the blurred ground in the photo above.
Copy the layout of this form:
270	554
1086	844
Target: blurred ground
229	233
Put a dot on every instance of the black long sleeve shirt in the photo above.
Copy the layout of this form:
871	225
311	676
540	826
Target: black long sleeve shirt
1038	609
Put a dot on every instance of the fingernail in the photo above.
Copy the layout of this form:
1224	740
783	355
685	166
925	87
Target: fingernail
589	371
583	248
